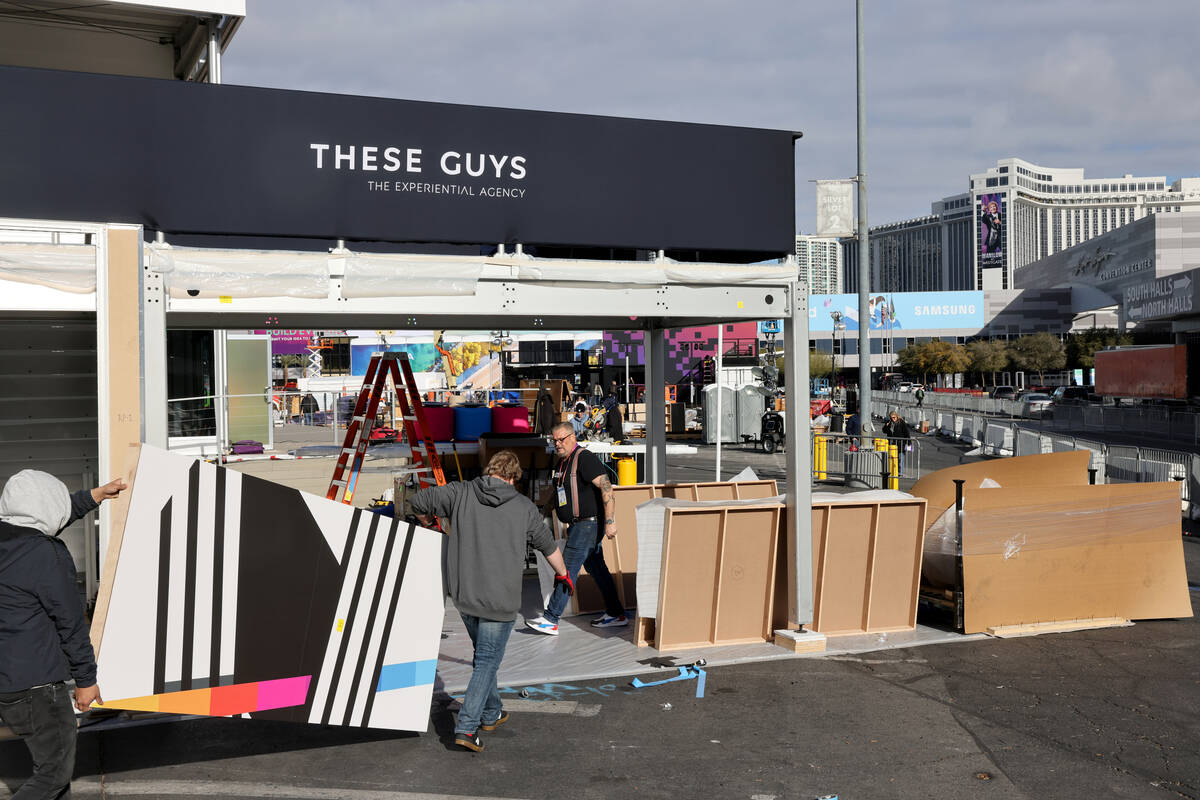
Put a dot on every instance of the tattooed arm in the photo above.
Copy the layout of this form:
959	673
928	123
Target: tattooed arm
610	504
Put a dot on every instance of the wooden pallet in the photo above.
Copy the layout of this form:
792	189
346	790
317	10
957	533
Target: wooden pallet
1060	626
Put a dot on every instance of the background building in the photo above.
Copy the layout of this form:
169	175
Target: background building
819	263
1014	214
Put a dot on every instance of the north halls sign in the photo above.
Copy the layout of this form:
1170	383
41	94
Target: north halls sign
229	160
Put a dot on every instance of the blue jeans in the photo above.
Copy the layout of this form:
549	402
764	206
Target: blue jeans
44	718
482	702
584	550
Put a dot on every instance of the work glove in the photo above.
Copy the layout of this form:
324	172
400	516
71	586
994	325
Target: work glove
565	582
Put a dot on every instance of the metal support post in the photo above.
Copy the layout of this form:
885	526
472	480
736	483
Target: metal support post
798	456
656	405
153	335
720	353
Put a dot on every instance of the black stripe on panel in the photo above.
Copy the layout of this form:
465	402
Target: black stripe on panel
164	597
387	626
189	578
370	629
218	579
336	677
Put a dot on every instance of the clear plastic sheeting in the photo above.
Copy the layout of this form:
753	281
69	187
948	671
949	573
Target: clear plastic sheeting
66	267
199	272
865	496
940	547
622	273
409	276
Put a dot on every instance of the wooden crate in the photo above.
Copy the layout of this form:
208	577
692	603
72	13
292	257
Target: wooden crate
717	580
620	554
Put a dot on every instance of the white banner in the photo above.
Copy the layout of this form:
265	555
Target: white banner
835	208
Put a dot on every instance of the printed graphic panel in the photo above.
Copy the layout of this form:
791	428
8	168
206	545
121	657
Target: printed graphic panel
233	595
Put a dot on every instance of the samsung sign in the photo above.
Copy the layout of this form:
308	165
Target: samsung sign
898	311
203	159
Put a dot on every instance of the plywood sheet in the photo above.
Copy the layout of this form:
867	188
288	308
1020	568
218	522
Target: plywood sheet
896	567
841	567
866	564
232	595
1049	553
688	579
717	582
1068	468
747	574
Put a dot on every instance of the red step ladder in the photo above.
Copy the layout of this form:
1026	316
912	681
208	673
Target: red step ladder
425	459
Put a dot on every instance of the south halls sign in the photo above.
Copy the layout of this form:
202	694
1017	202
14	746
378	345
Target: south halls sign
194	158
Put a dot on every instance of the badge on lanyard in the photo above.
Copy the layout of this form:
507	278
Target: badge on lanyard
562	496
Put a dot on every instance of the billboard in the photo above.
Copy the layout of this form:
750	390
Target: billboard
991	230
193	158
899	311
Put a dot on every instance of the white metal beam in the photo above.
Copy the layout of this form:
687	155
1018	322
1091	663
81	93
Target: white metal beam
798	458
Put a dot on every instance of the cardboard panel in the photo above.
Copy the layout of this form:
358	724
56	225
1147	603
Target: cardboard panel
123	347
751	490
716	491
1051	553
1047	469
896	567
688	582
679	491
747	576
866	564
841	568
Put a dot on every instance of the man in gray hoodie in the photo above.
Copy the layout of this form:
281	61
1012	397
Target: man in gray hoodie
43	632
489	524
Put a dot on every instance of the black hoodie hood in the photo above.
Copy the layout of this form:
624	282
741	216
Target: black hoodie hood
492	491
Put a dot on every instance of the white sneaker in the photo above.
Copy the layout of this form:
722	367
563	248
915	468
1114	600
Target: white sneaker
610	622
542	625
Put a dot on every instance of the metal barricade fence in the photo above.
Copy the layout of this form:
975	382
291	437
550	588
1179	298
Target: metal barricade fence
865	461
1098	459
1028	442
1113	463
1124	463
1167	465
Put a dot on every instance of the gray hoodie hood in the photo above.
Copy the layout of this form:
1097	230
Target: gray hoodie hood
33	499
493	492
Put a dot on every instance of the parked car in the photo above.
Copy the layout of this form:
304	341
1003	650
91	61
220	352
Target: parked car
1004	393
1036	404
1072	395
906	386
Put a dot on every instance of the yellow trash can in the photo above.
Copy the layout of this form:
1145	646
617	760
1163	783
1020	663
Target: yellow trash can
626	471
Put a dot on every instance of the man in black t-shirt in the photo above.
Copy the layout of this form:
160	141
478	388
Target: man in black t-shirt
583	495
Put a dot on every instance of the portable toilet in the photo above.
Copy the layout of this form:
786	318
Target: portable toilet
751	403
729	432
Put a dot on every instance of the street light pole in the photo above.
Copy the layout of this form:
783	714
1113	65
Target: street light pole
864	247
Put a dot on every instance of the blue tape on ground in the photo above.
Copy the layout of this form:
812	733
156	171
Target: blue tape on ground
702	677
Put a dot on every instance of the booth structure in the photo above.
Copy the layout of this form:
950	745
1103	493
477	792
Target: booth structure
310	213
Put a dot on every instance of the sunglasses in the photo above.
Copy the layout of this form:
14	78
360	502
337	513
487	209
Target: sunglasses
558	439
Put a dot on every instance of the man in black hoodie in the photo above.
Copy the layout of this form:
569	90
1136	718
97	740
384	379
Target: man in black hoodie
43	633
489	524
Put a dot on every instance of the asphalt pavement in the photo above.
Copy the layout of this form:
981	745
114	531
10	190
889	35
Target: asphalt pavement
1097	714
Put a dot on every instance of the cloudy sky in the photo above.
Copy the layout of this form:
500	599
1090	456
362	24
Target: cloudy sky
1112	86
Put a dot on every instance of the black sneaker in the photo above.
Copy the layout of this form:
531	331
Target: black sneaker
491	726
471	741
